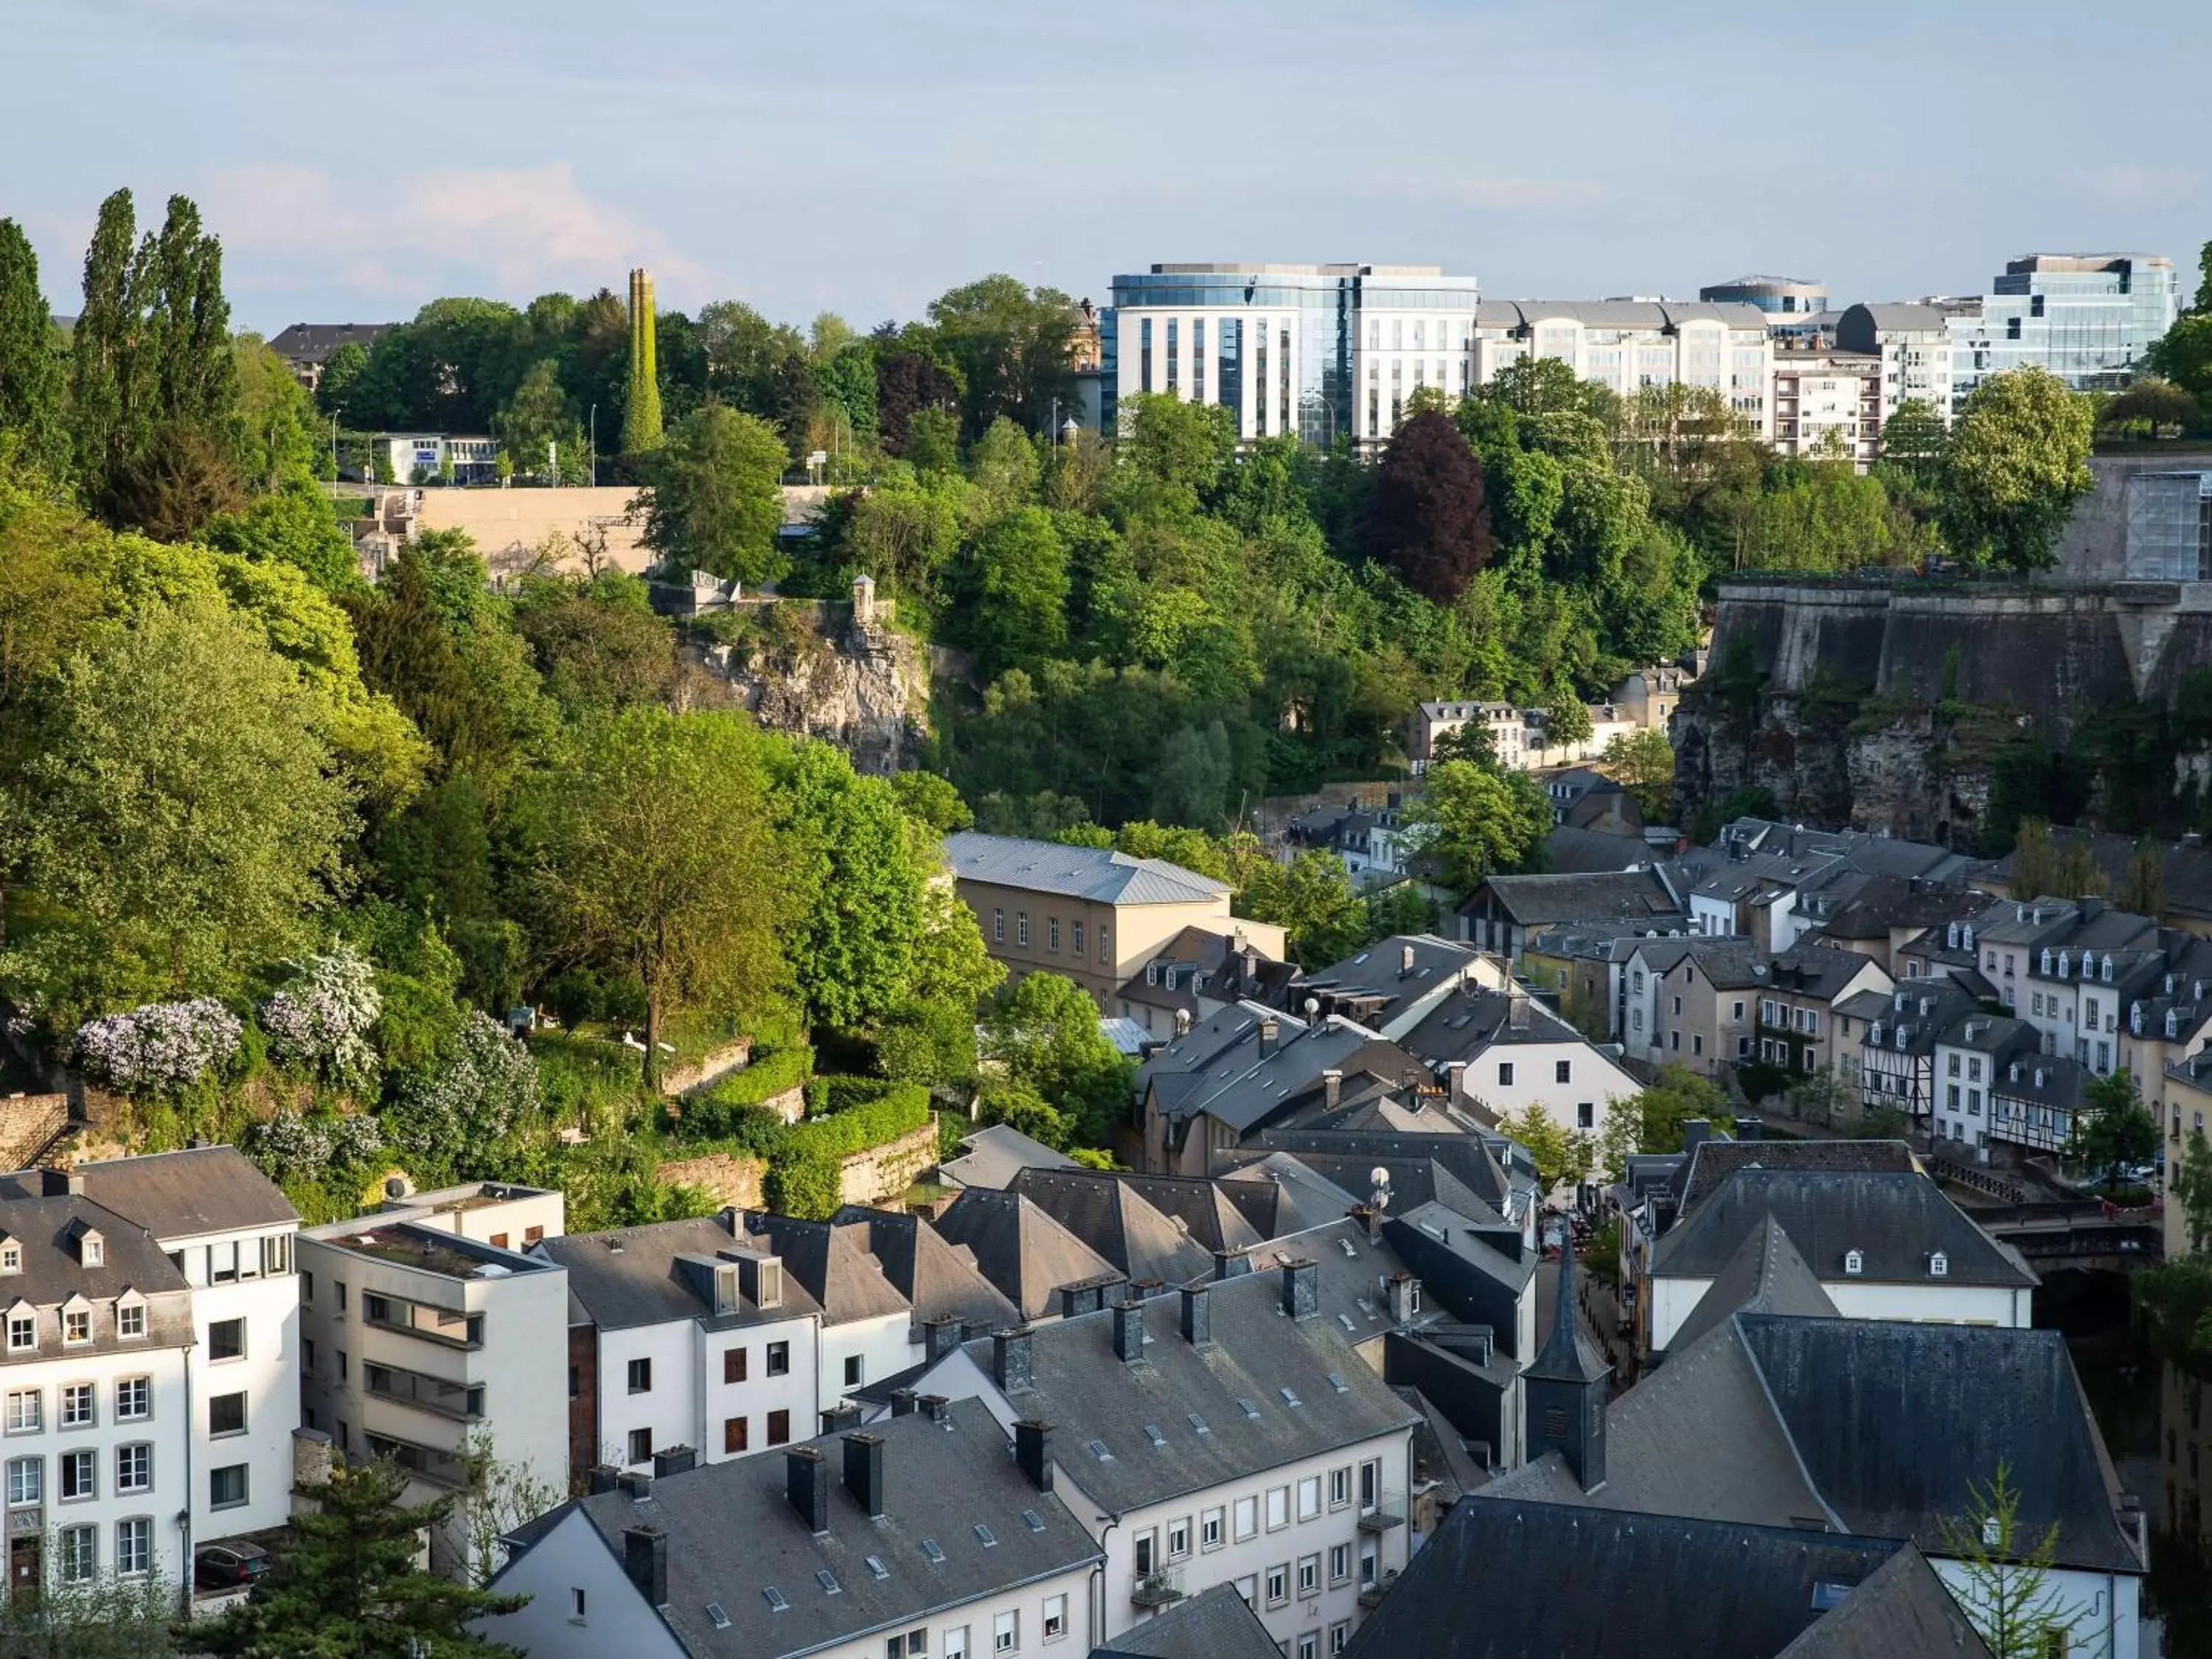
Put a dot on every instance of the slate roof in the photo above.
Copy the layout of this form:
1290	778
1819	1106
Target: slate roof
1717	1158
832	1261
1467	1159
49	1229
1541	901
627	1276
189	1193
1240	1087
2186	867
1575	852
1019	1248
312	342
996	1153
1902	1609
1215	1624
1470	1020
1373	985
1115	1220
1089	1394
1509	1578
1232	966
1765	1275
1097	873
1896	1222
1280	1192
940	1279
733	1534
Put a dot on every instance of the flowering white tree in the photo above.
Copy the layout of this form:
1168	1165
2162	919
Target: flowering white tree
159	1048
322	1019
486	1085
289	1147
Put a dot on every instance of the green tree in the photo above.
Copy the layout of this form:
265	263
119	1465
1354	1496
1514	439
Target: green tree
2003	1583
2174	1306
281	439
1642	763
1561	1154
1045	1029
2142	888
2190	1183
539	429
1472	823
340	370
1010	345
30	365
106	1617
105	409
1566	721
2018	461
183	811
1175	446
931	802
1668	1101
1192	784
713	502
2151	404
293	526
641	414
598	642
932	442
348	1584
658	861
2113	1129
1311	899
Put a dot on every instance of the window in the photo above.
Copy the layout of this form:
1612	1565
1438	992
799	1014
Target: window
1279	1507
1678	1004
1143	1550
77	1327
227	1413
914	1645
779	1428
1021	927
1209	1530
80	1475
1367	1566
226	1338
1052	934
1340	1488
77	1412
1247	1518
134	1545
80	1557
640	1445
1279	1584
998	927
853	1370
1504	1073
1339	1563
1339	1637
1309	1574
1310	1644
779	1358
1585	1115
27	1481
956	1642
1563	1070
1309	1497
26	1411
1248	1588
734	1364
1007	1632
640	1376
11	1257
226	1487
134	1467
131	1321
276	1254
22	1332
736	1434
222	1262
1077	939
1055	1617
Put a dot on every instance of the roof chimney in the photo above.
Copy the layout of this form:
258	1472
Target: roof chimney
1010	1362
806	1484
864	1473
939	1337
1695	1133
645	1558
60	1183
1197	1316
1129	1331
1033	1451
1269	1030
1230	1264
1301	1289
1332	1088
674	1460
1405	961
902	1402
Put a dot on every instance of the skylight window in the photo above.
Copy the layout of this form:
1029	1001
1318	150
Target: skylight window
1152	1433
983	1534
715	1616
1290	1398
1035	1520
929	1547
1251	1409
1098	1450
1347	1246
1197	1423
774	1597
876	1567
1338	1382
828	1580
1345	1320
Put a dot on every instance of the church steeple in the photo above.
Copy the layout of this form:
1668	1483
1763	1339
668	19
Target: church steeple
1564	1389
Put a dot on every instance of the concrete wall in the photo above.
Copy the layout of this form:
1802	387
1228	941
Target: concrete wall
509	526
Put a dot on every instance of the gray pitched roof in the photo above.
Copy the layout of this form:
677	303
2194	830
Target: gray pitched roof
1089	1394
1278	1193
1372	983
1717	1158
1215	1624
1901	1609
1514	1579
186	1194
1242	1086
1470	1019
1896	1223
628	1276
938	1276
1765	1275
832	1261
312	342
733	1534
1115	1220
1533	901
1344	1155
1097	873
996	1153
1019	1248
50	1229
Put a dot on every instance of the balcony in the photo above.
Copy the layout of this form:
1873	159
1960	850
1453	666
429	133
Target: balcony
1161	1587
1370	1596
455	1401
1387	1510
433	1464
449	1328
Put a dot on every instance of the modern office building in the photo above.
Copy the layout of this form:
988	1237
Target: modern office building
2087	318
1322	351
1784	299
1626	344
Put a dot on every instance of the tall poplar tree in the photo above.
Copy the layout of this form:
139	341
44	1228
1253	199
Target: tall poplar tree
30	373
100	346
642	421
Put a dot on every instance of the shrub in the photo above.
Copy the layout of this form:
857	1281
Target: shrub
829	1095
291	1149
321	1021
802	1180
458	1113
734	1098
161	1048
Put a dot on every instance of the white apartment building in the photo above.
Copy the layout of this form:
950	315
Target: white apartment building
1296	1493
1828	403
1627	344
1508	1054
98	1433
419	1341
1321	351
230	1232
1913	343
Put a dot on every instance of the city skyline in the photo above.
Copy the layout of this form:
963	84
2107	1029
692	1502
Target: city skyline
866	171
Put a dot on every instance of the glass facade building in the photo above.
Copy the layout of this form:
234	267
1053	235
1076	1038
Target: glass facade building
1322	351
2086	317
1795	298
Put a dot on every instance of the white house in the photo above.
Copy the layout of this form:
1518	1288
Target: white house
95	1367
919	1538
1508	1054
230	1232
1225	1434
867	1329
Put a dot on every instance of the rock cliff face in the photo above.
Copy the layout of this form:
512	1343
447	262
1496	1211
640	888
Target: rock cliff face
1882	705
864	688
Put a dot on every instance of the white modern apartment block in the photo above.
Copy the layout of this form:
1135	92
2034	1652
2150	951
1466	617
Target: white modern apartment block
1914	345
98	1434
1324	351
231	1233
1828	403
419	1341
1627	344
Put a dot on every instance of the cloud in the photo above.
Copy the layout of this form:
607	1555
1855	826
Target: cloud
516	230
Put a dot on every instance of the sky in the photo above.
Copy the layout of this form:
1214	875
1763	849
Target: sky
863	156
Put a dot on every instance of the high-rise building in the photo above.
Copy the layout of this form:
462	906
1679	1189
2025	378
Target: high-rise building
2087	318
1321	351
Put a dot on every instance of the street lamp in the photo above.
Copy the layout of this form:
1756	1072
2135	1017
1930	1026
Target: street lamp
595	446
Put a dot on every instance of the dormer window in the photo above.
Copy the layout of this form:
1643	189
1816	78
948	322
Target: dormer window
2047	959
2012	1072
1967	934
22	1329
1854	1263
770	1294
2173	1022
1876	1034
1927	1006
726	1290
1951	937
76	1323
11	1256
130	1317
2104	973
1939	1265
2169	985
2038	1077
2135	1018
91	1248
1152	973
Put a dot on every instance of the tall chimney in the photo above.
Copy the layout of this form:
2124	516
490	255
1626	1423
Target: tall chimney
1301	1289
864	1473
674	1460
902	1402
1332	1088
1129	1331
1230	1264
1010	1362
806	1484
1405	961
645	1558
1033	1451
1197	1316
1269	1030
939	1337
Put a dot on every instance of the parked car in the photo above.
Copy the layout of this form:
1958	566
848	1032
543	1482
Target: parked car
224	1566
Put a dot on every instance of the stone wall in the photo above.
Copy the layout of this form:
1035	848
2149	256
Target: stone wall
731	1180
886	1171
28	1125
683	1081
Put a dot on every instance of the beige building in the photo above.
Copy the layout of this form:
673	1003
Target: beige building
1629	344
1092	914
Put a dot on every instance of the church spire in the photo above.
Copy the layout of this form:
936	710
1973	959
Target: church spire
1564	1389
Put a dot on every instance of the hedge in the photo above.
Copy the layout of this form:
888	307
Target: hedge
838	1093
724	1109
803	1178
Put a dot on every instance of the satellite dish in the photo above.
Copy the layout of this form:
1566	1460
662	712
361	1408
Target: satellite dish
1379	1175
1313	1006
